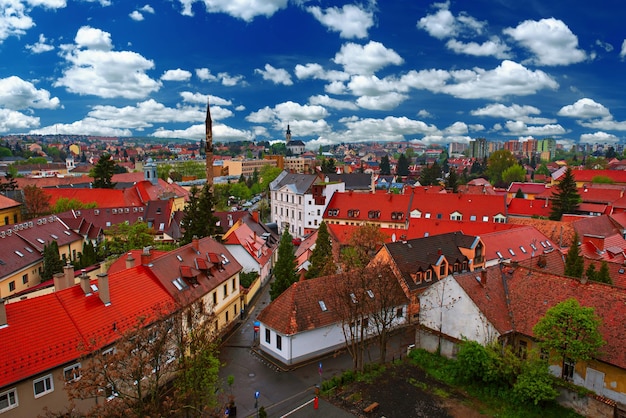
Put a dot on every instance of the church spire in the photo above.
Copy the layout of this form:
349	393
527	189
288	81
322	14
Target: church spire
208	125
288	135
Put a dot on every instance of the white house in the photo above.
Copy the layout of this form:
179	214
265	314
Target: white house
304	323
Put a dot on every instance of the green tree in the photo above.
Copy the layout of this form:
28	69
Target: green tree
51	261
497	163
285	269
322	256
574	262
88	256
123	237
571	331
452	181
328	166
519	194
103	172
566	197
199	220
591	273
514	173
542	169
430	175
402	168
385	166
64	204
535	383
603	275
9	183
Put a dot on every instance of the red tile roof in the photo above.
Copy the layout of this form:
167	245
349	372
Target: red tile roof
104	198
47	331
587	176
529	207
516	244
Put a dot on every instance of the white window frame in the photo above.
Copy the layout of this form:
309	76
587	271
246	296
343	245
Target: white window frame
10	405
74	369
47	378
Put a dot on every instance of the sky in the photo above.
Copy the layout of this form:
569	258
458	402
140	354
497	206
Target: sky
335	72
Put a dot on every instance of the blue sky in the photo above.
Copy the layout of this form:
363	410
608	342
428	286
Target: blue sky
334	71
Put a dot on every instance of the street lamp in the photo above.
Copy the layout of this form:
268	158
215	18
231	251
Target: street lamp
256	402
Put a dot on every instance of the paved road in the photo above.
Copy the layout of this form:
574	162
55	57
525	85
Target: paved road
281	392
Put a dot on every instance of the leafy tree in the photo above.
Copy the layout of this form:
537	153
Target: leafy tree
566	197
240	191
452	181
103	172
402	168
267	175
602	180
51	261
246	278
385	165
571	331
9	183
535	383
362	246
285	268
574	262
497	163
199	220
321	259
123	237
5	152
37	202
543	169
430	175
603	275
514	173
64	204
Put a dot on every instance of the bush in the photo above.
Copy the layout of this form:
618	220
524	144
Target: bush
535	383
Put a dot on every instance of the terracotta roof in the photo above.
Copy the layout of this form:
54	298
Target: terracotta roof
104	198
307	305
6	203
532	293
64	321
527	188
560	233
364	207
516	244
595	225
529	207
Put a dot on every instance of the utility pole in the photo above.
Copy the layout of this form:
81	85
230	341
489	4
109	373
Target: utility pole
208	125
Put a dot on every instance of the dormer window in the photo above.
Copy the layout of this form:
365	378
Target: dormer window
397	215
373	214
353	213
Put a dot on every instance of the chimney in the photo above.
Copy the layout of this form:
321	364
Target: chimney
68	271
3	314
59	281
103	288
255	216
130	261
483	278
84	283
146	256
194	244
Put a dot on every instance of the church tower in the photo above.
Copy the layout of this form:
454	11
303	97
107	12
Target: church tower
288	135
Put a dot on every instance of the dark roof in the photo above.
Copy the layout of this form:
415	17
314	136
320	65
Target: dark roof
352	181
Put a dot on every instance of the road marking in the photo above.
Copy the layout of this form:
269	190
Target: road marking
298	408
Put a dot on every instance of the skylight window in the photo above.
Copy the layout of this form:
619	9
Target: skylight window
543	244
370	293
511	251
19	253
499	254
179	258
67	233
353	298
533	247
54	236
179	283
225	260
41	241
322	305
522	249
28	249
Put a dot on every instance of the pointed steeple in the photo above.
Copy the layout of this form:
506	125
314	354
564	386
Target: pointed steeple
208	125
288	135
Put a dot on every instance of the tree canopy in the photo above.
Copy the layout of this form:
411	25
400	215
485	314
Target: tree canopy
102	173
199	220
322	256
574	262
566	197
497	163
285	267
402	167
571	331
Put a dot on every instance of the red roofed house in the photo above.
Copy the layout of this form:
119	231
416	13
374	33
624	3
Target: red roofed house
42	336
10	211
504	303
303	323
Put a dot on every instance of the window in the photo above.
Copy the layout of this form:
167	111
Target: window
473	218
268	336
234	284
485	218
11	286
522	349
72	373
544	354
568	369
399	313
110	392
226	316
43	386
279	342
6	220
8	400
214	298
225	291
25	279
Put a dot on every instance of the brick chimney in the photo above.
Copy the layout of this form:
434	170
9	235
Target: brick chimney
146	256
130	261
255	215
68	271
3	314
483	278
195	244
59	281
84	283
103	288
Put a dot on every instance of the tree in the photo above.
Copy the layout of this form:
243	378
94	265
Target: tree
88	256
51	261
285	268
514	173
9	183
497	163
124	237
603	275
452	181
64	204
362	246
574	262
566	197
385	166
430	175
103	172
328	166
591	273
199	220
321	258
519	194
37	202
571	331
402	168
535	383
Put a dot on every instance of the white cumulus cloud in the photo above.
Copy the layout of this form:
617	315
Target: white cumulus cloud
17	94
350	21
366	59
176	75
276	75
246	10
